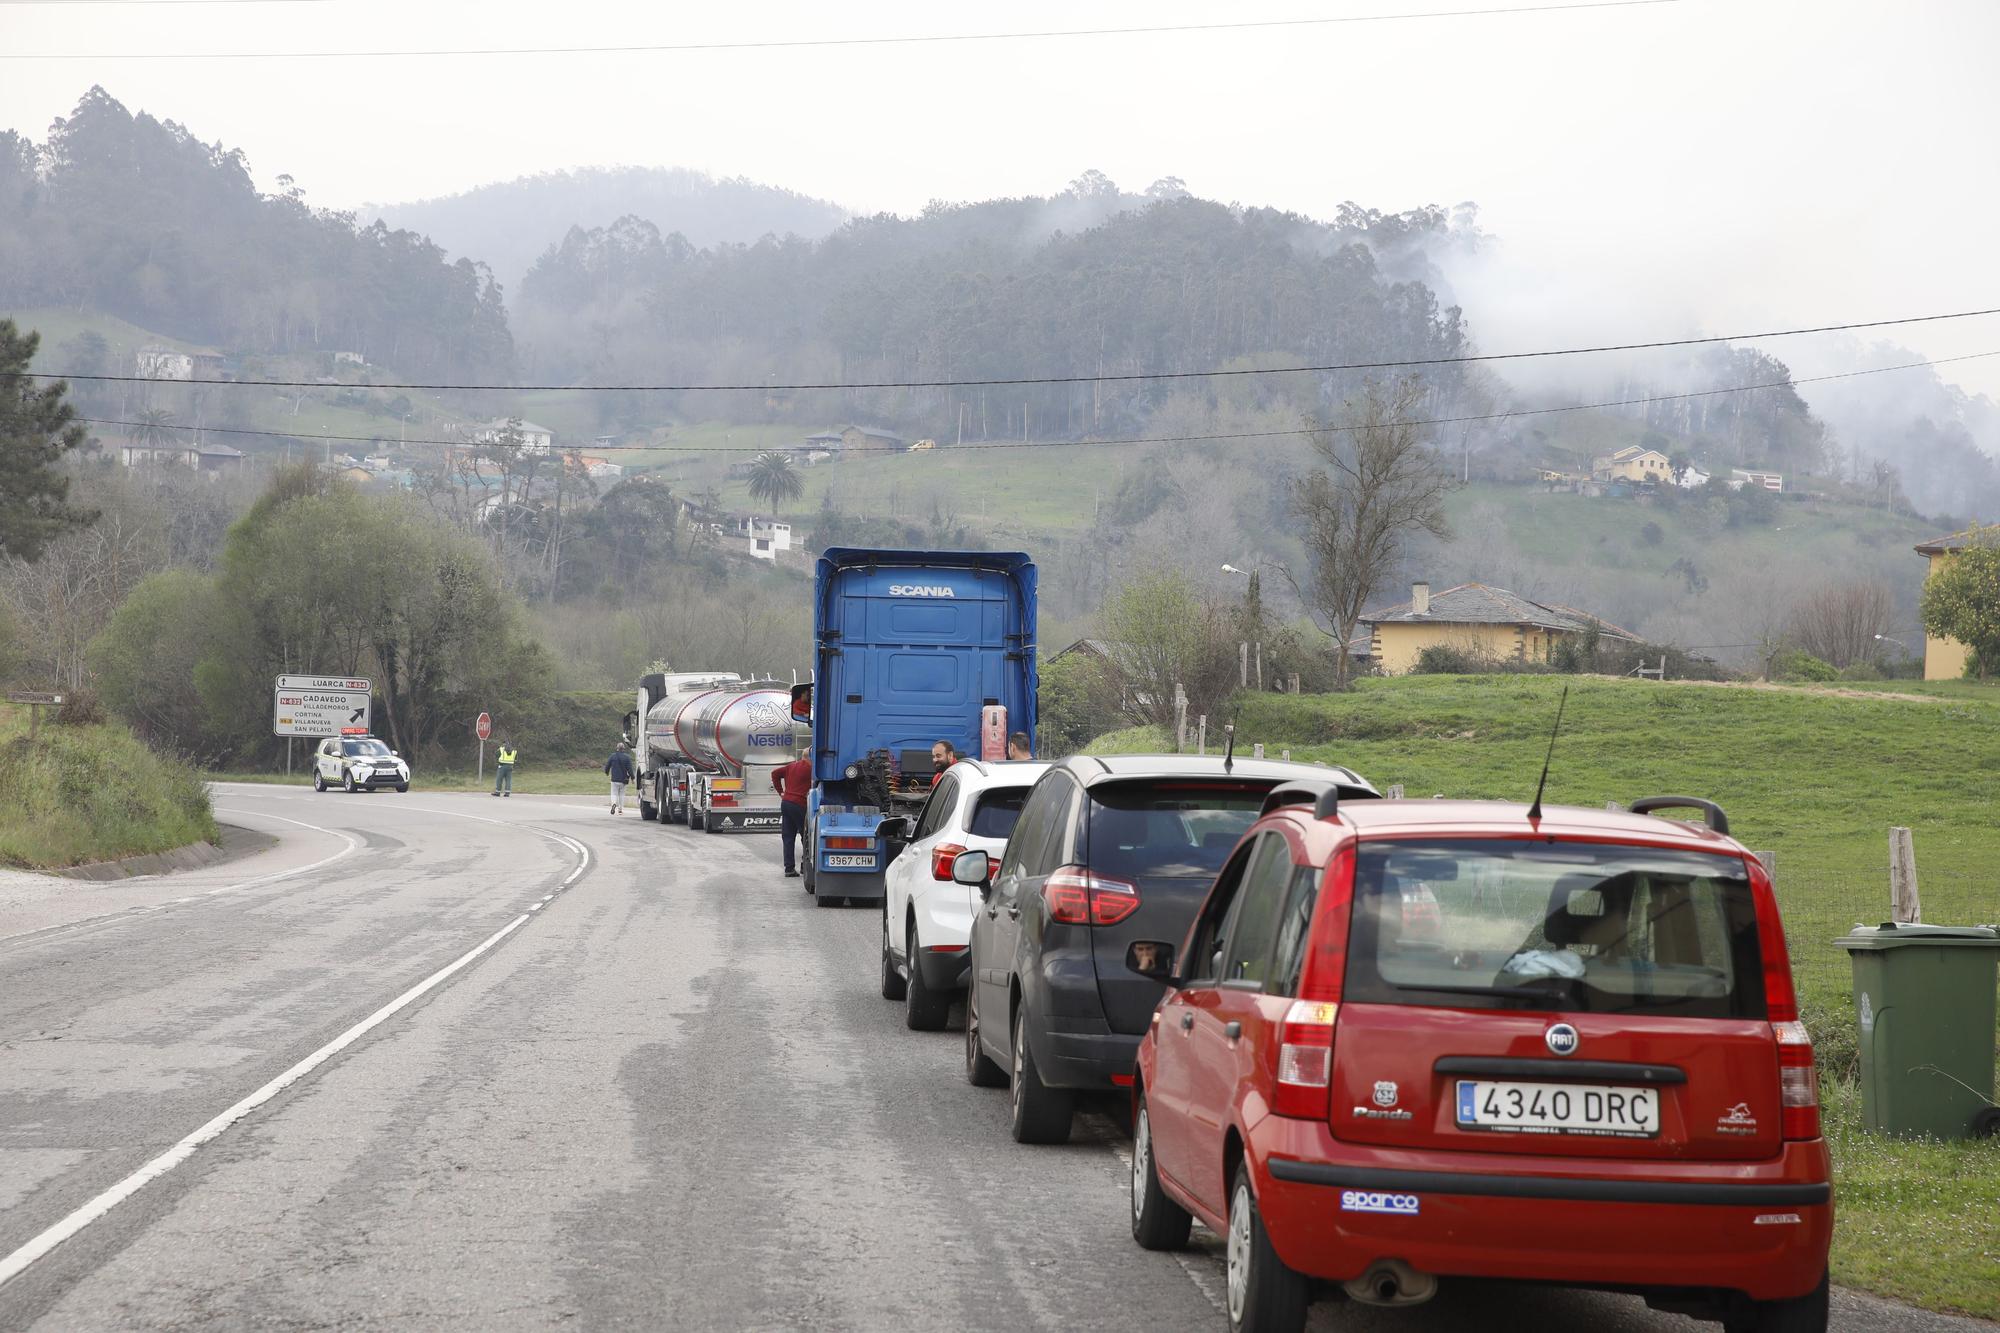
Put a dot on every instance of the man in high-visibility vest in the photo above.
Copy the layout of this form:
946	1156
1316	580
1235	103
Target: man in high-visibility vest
503	771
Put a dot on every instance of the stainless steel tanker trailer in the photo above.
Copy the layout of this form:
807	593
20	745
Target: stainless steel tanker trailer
707	744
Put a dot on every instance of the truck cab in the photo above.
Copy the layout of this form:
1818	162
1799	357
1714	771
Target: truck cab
911	647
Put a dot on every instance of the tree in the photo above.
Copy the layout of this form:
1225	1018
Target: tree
1163	632
1962	599
36	429
145	661
154	428
1842	623
1382	483
774	480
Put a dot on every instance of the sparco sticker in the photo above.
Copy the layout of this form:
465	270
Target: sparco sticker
1372	1201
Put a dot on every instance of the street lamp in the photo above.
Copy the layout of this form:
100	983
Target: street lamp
1231	569
1886	638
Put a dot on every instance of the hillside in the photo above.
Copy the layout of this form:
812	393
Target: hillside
92	792
508	224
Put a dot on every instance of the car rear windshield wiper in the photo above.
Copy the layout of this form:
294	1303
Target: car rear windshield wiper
1572	984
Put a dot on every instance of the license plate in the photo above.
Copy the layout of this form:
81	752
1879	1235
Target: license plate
835	861
1559	1108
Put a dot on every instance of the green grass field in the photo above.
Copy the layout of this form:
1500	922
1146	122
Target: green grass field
1815	774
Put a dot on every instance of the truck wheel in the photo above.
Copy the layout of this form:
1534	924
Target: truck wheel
695	821
924	1009
647	810
892	985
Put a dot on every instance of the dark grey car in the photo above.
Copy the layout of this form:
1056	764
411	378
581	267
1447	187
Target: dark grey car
1107	852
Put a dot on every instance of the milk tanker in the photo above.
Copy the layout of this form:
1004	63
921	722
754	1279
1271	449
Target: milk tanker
707	744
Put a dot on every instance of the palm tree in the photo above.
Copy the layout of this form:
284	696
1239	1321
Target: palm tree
773	479
154	427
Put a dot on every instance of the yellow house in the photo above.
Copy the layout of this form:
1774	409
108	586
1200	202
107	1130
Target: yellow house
1489	623
1633	463
1944	659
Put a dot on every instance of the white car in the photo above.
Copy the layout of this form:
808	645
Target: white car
926	918
358	762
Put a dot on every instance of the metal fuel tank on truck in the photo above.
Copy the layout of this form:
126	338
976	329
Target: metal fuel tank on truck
709	743
911	647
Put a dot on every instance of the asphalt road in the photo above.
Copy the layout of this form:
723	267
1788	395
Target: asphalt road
661	1092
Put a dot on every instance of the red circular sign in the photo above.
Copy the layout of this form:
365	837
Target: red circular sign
484	726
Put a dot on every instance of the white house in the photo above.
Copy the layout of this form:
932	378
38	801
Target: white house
764	538
1691	477
163	363
535	440
1741	477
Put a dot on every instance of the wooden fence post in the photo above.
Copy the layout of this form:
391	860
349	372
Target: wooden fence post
1243	665
1180	719
1285	755
1257	750
1904	906
1201	734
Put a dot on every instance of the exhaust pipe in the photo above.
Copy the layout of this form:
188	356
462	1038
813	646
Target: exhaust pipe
1391	1282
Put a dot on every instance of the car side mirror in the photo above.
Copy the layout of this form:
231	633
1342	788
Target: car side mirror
1154	959
896	828
971	869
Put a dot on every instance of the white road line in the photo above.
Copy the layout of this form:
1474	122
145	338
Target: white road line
13	1265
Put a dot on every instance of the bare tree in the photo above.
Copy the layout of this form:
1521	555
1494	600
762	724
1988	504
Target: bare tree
1162	631
1381	483
1839	622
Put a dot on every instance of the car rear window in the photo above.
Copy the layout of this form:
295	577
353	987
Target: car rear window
1579	926
996	811
1170	827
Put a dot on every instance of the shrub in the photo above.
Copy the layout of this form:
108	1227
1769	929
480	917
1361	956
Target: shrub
1795	665
1862	671
1444	659
80	708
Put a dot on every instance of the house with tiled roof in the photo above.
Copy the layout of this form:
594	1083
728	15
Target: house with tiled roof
1482	621
1944	659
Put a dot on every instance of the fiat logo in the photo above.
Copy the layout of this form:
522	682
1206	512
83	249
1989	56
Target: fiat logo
1562	1039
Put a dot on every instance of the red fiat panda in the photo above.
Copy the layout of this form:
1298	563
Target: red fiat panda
1407	1041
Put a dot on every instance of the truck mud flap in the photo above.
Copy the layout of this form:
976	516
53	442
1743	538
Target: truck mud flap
722	822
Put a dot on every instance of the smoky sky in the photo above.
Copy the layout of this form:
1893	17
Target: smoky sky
1700	166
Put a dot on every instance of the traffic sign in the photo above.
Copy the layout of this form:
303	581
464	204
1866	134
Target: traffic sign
319	705
484	726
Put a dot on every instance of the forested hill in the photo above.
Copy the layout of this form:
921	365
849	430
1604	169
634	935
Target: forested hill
131	216
507	224
1000	289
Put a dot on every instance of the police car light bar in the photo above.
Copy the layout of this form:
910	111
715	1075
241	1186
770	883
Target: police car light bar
354	731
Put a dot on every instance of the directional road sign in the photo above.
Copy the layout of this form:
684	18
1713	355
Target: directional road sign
319	705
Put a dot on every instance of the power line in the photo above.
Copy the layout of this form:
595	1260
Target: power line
1030	380
803	42
1085	444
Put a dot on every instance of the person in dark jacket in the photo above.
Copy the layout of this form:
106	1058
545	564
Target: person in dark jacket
793	783
619	767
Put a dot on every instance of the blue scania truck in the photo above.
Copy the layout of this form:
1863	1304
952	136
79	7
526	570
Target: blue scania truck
911	647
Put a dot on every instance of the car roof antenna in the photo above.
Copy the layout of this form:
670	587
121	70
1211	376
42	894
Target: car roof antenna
1535	810
1229	754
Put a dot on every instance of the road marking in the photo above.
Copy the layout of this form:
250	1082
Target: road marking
13	1265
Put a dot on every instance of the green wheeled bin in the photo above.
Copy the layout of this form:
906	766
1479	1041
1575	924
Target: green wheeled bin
1924	996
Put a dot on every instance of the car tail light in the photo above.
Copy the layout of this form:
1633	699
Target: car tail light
1076	897
1798	1081
1326	950
721	798
849	844
942	857
1305	1060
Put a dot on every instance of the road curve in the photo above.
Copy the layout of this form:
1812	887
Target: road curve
665	1096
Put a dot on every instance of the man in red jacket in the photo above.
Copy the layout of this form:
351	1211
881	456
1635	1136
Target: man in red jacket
793	783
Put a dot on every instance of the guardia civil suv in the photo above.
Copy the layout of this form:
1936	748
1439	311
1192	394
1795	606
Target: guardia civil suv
356	761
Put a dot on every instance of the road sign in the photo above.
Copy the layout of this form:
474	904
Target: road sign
33	697
319	705
484	726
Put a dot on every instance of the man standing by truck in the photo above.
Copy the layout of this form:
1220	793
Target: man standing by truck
503	771
619	769
793	784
